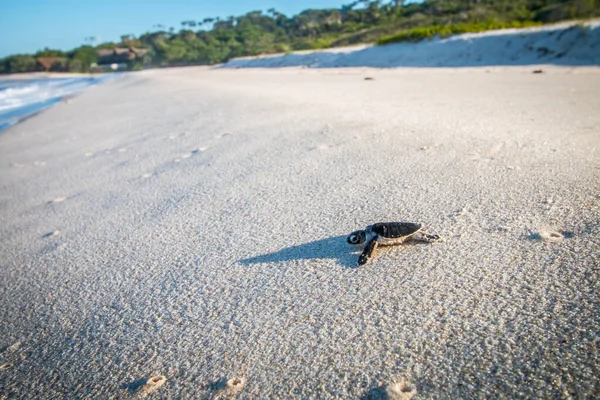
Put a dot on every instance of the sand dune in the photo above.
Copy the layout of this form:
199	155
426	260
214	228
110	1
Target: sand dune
560	44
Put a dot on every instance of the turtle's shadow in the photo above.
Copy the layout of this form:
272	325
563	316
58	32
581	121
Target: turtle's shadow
135	386
332	248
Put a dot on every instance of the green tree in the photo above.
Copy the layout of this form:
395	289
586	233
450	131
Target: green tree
20	63
50	53
83	57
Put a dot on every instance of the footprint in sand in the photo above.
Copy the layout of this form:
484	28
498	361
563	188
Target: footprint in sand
12	348
494	150
429	148
152	384
231	388
5	366
478	158
400	389
58	200
51	235
322	147
195	151
397	389
174	136
549	235
234	385
223	135
489	155
460	213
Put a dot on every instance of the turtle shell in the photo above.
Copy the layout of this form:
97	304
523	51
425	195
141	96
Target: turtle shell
393	230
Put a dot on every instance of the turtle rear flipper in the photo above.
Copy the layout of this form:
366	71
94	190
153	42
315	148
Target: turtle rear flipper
425	237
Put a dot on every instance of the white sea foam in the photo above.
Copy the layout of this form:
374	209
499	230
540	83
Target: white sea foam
20	98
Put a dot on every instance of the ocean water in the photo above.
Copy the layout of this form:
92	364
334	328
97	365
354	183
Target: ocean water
20	99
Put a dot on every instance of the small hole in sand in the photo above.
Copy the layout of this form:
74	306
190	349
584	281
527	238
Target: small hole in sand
235	384
153	384
547	236
400	389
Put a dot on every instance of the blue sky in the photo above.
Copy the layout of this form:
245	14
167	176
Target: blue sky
30	25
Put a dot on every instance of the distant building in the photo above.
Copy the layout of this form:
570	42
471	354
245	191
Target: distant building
118	57
51	63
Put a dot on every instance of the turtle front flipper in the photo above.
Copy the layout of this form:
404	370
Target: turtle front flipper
368	251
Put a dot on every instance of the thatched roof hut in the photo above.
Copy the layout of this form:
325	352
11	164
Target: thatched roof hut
119	55
51	63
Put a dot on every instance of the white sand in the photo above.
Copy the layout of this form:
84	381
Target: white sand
569	43
232	263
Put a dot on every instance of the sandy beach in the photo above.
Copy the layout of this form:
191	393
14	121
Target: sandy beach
191	223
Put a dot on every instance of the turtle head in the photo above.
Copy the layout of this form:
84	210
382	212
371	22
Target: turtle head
357	237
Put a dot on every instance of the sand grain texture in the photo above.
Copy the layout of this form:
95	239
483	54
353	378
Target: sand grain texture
232	262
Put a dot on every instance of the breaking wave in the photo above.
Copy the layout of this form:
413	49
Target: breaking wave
20	98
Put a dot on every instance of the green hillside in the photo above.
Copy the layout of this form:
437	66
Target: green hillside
206	41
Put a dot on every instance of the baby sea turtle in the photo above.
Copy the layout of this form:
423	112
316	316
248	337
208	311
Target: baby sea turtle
386	234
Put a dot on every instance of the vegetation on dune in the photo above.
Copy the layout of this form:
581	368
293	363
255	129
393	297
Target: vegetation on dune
429	32
215	40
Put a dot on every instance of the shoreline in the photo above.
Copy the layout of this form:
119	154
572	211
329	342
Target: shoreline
38	75
28	97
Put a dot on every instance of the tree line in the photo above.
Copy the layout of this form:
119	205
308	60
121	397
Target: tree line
206	41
